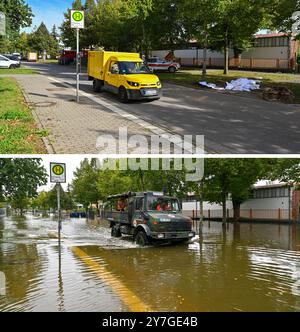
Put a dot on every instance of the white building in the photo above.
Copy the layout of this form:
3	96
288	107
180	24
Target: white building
273	51
270	202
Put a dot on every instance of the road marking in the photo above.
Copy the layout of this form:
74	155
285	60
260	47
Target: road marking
127	296
147	125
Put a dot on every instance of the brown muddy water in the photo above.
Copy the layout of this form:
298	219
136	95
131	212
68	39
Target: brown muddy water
242	267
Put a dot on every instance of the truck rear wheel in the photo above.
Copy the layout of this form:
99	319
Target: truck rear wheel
97	85
142	239
172	70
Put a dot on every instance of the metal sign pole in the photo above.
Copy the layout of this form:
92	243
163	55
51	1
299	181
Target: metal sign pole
58	210
77	66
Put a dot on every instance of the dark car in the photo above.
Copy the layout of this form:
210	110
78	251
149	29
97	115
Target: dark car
14	58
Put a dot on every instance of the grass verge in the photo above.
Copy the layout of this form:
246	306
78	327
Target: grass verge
18	131
16	71
192	77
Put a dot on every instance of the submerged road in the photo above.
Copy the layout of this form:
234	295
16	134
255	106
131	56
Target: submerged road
230	124
242	267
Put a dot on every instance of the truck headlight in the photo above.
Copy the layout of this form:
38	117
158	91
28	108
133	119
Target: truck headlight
161	236
135	84
191	234
158	84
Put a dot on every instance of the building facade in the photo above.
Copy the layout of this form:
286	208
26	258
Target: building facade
275	202
276	51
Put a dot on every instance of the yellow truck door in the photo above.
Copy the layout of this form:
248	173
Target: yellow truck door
112	76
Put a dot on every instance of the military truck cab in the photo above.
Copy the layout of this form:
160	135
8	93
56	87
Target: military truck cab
149	217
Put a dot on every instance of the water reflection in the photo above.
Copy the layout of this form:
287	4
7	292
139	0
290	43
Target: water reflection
232	267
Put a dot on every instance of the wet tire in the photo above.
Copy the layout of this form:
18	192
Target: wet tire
123	95
97	86
115	232
172	70
142	239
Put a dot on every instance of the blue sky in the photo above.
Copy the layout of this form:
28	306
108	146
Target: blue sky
50	12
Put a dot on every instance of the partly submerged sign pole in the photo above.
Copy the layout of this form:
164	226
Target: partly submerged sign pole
58	176
77	22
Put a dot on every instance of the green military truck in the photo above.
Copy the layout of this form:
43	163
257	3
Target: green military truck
149	217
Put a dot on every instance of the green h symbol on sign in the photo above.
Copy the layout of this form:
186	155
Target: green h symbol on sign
77	16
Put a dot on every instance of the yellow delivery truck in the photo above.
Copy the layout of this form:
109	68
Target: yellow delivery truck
124	74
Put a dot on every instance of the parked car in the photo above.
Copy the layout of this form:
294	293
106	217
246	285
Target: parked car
17	55
13	58
158	64
7	63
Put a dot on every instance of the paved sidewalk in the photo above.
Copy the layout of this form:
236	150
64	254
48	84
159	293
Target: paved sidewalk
73	128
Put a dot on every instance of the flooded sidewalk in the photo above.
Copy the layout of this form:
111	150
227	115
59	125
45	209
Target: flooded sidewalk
242	267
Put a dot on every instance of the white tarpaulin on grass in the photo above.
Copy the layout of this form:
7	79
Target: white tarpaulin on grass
241	84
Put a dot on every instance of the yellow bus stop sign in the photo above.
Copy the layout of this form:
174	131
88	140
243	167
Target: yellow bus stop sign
77	19
57	173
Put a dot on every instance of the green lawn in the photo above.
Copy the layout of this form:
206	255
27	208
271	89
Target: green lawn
192	77
18	131
15	71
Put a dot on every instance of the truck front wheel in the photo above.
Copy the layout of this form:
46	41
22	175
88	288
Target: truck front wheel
123	95
115	232
142	239
97	85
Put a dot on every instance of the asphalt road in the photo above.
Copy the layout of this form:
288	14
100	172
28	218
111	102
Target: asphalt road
230	124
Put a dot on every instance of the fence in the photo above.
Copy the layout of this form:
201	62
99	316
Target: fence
252	63
246	214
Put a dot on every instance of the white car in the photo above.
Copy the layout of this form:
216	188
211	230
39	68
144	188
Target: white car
7	63
157	64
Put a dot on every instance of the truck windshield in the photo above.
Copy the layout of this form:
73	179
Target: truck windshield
129	67
162	204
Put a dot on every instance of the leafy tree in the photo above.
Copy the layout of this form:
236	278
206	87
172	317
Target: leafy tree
68	35
84	186
199	17
41	201
54	32
20	178
18	15
286	170
233	176
41	40
281	15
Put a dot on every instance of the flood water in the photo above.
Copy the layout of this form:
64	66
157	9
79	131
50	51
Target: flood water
242	267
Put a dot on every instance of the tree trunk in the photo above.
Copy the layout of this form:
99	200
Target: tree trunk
224	208
236	210
141	174
226	53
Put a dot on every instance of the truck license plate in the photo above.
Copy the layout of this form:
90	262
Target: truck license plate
150	92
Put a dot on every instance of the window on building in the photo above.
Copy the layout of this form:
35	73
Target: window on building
271	193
